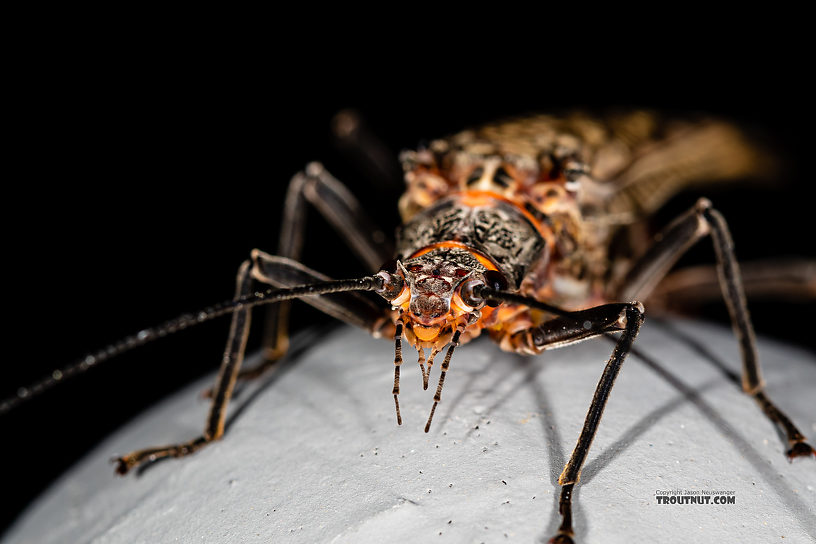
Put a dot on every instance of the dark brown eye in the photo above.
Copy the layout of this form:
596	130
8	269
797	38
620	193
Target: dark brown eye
468	296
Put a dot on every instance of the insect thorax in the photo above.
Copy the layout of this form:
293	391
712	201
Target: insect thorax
489	227
518	198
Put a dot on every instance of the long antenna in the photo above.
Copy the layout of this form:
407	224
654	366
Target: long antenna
144	336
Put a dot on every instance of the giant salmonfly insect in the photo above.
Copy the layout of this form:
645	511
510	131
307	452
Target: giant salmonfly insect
527	230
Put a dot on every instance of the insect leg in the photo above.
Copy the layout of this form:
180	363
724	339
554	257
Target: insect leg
698	222
304	282
633	315
349	307
790	280
230	364
397	365
342	210
370	154
569	329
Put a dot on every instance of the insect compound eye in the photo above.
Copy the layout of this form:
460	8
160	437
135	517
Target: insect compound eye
393	285
496	281
466	297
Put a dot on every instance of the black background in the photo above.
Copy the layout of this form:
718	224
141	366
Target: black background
142	174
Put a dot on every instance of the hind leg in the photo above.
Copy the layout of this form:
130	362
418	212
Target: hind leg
703	220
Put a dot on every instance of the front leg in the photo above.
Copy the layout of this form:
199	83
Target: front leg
569	329
222	392
343	303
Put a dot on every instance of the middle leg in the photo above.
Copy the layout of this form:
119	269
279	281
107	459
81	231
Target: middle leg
335	203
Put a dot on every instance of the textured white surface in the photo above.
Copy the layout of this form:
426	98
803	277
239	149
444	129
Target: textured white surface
315	455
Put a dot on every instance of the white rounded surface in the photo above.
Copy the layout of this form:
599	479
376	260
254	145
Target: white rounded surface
314	453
